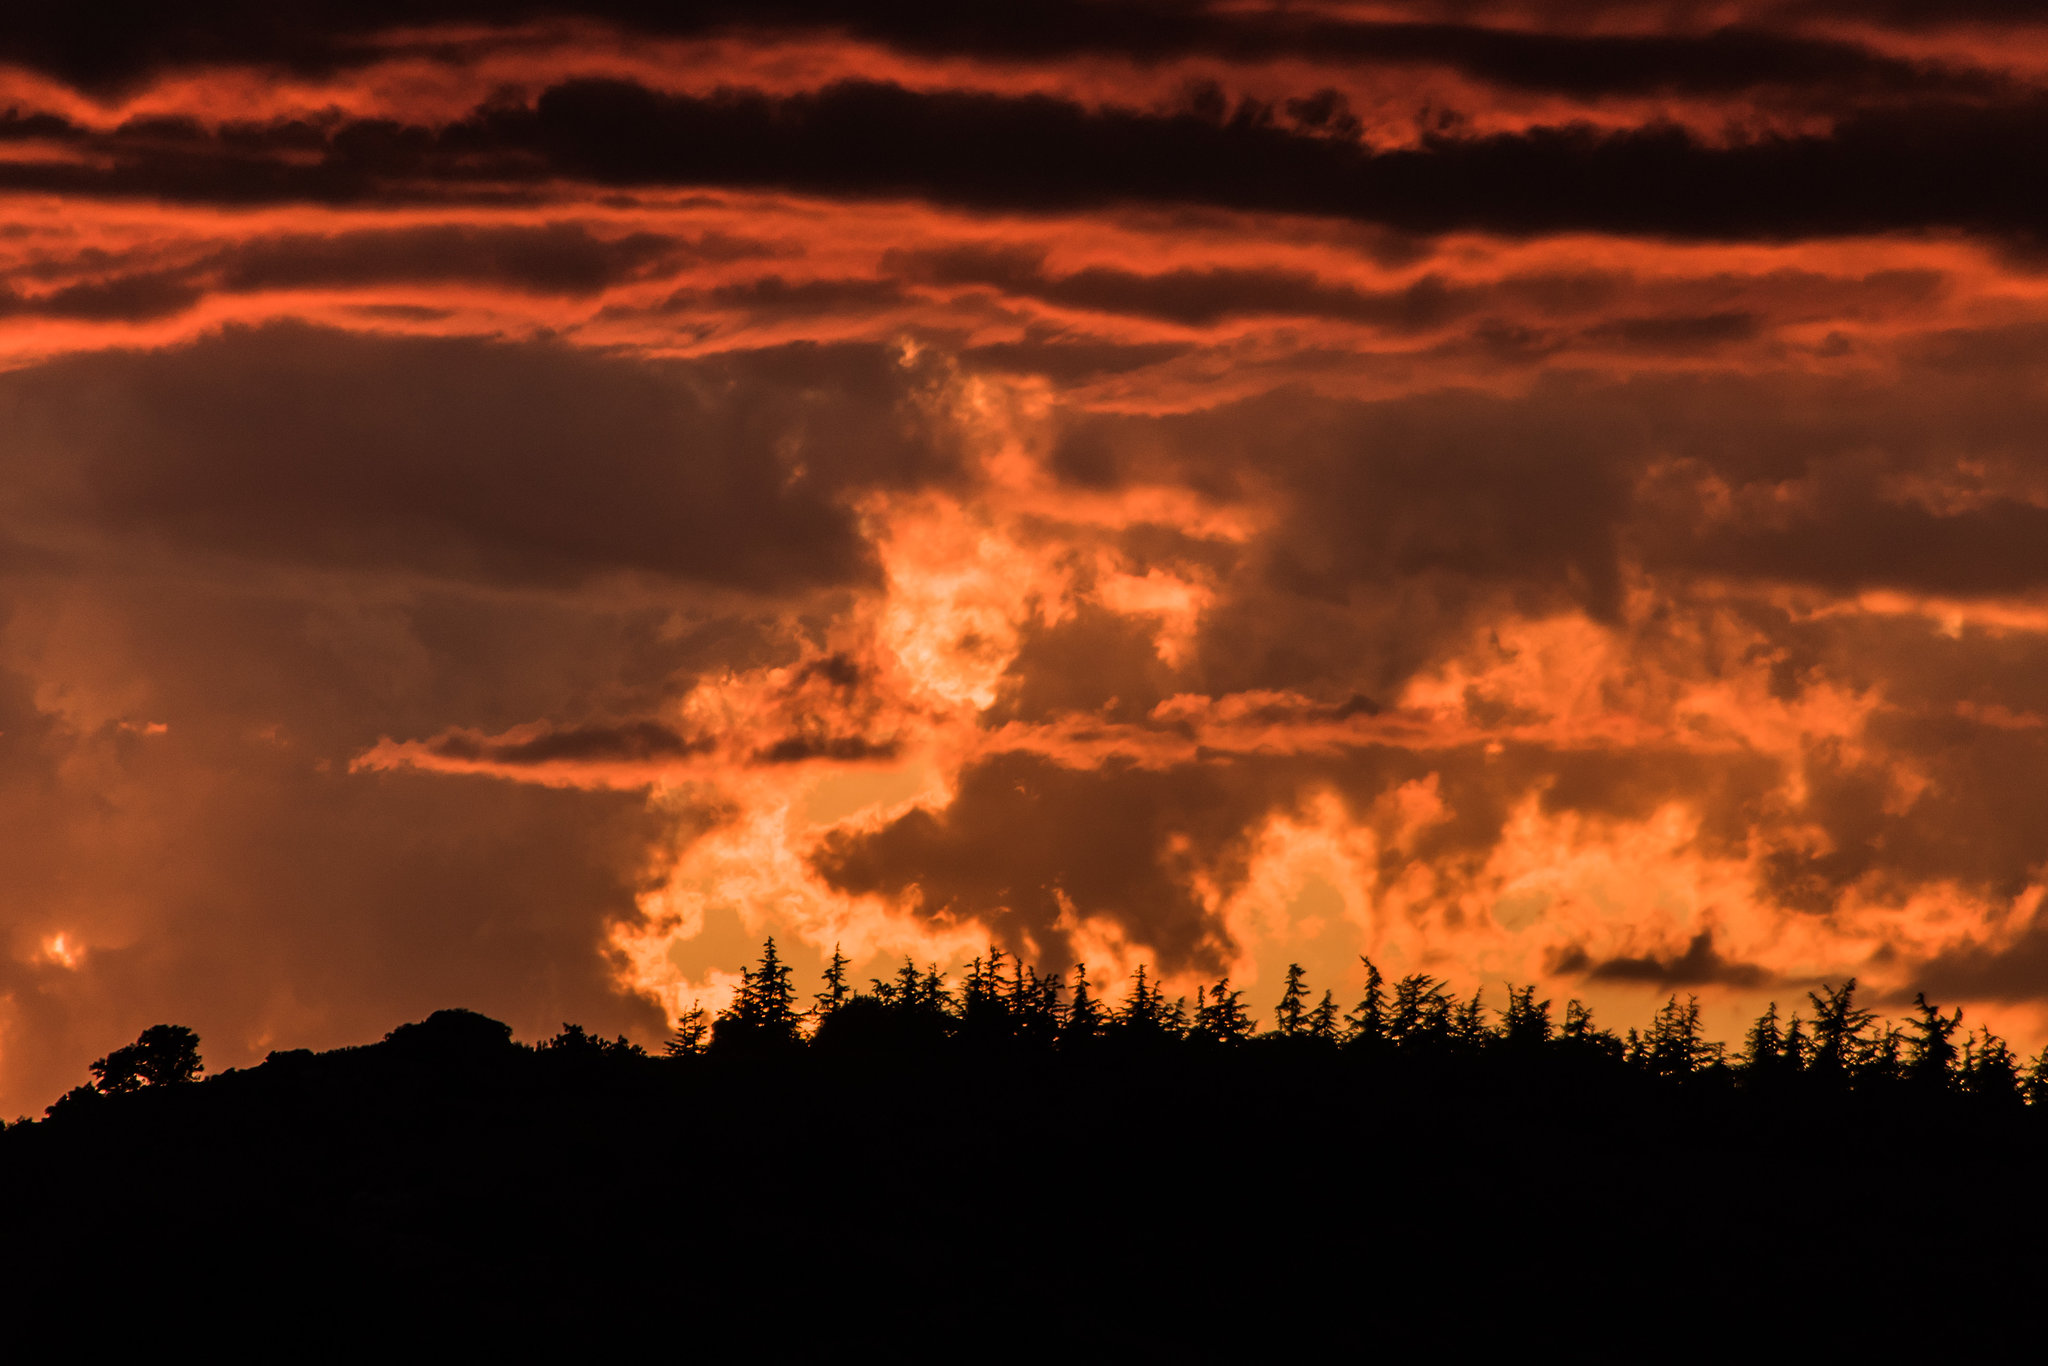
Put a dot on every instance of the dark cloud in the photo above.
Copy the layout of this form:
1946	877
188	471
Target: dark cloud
2015	971
1712	62
1193	298
121	298
1931	165
796	749
1026	838
1977	823
1095	662
839	669
1677	334
523	462
339	33
557	258
1069	359
772	296
1946	164
1400	523
1022	833
1858	539
630	742
1698	966
1395	522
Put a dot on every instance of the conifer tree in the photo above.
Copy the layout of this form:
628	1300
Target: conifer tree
836	991
1290	1017
1677	1046
1931	1057
1763	1050
692	1033
1468	1029
1145	1009
1795	1046
2034	1090
1990	1069
1369	1021
1220	1016
774	994
1526	1024
1883	1061
1579	1035
900	990
764	1011
1420	1010
914	992
1084	1016
1049	988
982	1000
1323	1020
1033	1001
1020	997
932	994
1839	1027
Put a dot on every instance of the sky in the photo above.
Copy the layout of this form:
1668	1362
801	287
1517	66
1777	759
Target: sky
508	505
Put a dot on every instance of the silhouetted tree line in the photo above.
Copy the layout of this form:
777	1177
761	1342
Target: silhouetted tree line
1843	1046
1003	1003
1164	1171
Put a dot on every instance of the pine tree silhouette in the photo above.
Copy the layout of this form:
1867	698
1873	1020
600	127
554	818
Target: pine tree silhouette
1763	1051
836	990
1582	1039
1931	1057
2035	1088
1796	1046
764	1012
1526	1024
1884	1061
1144	1011
1839	1029
1677	1047
1420	1012
1369	1021
1220	1016
1325	1020
984	1004
1468	1027
1029	1002
1290	1017
1990	1069
692	1033
1084	1016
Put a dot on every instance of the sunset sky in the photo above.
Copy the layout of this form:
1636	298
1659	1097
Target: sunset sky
506	505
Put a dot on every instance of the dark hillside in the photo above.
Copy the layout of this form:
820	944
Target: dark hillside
959	1189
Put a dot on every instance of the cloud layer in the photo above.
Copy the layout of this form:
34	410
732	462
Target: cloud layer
507	507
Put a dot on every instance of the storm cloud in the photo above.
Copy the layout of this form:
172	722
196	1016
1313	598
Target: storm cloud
509	507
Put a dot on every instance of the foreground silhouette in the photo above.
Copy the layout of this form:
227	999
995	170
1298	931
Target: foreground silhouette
931	1161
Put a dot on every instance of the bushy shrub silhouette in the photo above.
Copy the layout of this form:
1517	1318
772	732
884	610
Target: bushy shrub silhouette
164	1055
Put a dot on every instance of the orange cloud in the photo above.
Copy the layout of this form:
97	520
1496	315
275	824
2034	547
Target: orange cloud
451	562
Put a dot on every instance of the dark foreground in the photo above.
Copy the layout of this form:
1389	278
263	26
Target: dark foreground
1266	1202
